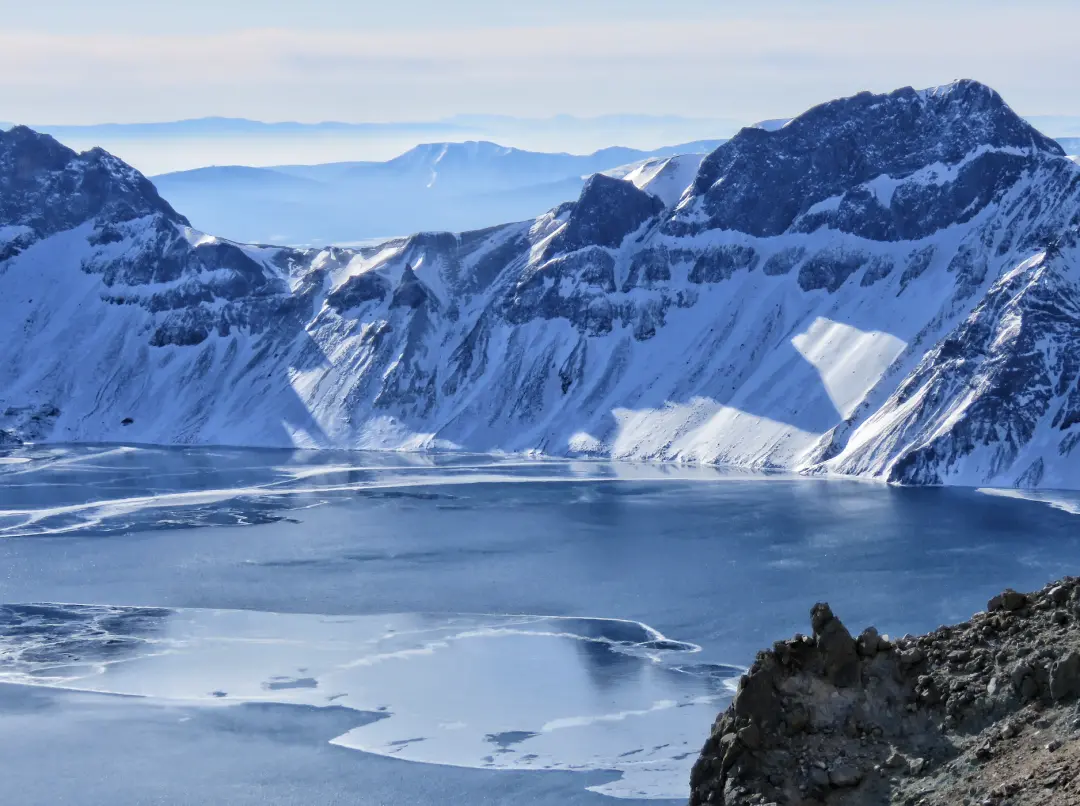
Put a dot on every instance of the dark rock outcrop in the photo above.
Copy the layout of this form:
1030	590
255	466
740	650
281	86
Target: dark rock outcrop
981	712
411	292
605	213
358	289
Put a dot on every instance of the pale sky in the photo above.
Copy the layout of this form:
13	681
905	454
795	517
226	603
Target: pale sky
66	62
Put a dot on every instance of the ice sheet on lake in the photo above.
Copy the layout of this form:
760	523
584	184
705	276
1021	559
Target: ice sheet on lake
1065	500
95	490
481	691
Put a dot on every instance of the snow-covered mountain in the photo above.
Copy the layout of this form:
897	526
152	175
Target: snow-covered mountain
888	286
667	178
772	124
439	186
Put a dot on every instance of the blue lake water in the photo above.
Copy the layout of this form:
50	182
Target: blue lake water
242	626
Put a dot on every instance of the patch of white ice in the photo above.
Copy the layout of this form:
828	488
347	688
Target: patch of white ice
510	692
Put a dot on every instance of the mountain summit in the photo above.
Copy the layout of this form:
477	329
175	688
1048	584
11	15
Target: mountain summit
886	286
49	188
762	181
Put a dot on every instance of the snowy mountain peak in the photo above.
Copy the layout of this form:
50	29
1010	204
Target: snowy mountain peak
764	182
428	155
48	188
964	115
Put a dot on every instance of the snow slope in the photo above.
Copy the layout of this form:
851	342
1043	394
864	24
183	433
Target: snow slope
772	124
667	178
887	286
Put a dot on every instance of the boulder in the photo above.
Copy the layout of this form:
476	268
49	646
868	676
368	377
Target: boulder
1065	677
844	775
1008	600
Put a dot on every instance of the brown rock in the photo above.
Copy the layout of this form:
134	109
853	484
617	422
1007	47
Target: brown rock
836	645
913	656
869	642
750	736
1009	600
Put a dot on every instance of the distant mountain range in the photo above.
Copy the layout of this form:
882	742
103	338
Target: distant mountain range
165	147
171	146
438	186
1056	125
1059	126
465	124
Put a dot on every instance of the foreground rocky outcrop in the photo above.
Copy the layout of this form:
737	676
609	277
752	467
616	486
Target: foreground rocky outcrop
984	712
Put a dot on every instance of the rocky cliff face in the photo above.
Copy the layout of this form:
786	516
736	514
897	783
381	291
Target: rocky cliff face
981	712
767	183
885	286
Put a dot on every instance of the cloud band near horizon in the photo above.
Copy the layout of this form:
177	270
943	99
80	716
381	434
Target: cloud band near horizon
743	66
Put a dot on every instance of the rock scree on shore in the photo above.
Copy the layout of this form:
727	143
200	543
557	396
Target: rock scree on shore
982	713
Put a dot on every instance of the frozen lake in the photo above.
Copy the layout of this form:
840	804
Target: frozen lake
244	626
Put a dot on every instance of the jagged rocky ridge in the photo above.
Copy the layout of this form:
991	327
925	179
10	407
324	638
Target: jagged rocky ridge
886	286
983	712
